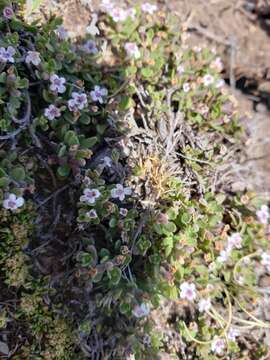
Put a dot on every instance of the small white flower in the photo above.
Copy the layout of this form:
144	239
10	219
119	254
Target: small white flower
233	334
218	345
131	12
99	93
107	161
263	214
8	12
204	305
57	84
180	69
208	80
61	32
90	47
217	64
220	83
265	260
212	266
7	55
197	49
123	212
149	8
140	311
80	100
224	255
186	87
33	57
119	192
132	50
87	180
107	5
52	112
90	196
118	14
188	291
12	202
92	214
235	241
72	105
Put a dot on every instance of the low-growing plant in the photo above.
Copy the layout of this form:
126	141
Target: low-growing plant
113	198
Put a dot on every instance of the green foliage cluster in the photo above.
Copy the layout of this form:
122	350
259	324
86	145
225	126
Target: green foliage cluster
124	134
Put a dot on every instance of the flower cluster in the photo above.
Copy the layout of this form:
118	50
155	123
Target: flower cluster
13	202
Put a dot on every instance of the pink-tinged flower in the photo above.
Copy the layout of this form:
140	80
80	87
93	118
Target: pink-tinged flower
233	334
99	93
162	219
208	80
186	87
118	14
140	311
265	260
263	214
235	241
131	12
33	57
52	112
87	180
218	345
188	291
107	5
123	212
217	64
220	83
180	69
13	202
149	8
7	55
57	84
132	50
72	105
203	109
204	305
90	196
80	100
61	32
92	214
119	192
8	12
90	47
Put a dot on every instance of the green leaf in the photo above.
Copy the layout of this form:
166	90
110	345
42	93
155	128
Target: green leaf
88	142
147	72
126	102
2	173
4	182
18	173
143	245
32	5
62	151
124	308
71	138
63	170
114	275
